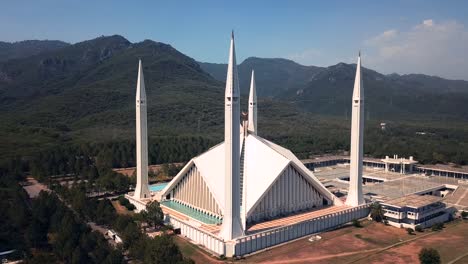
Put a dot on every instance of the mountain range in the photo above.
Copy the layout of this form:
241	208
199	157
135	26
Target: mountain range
53	92
23	49
327	90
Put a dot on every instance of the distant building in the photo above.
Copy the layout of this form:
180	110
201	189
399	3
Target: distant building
415	210
114	236
383	126
401	165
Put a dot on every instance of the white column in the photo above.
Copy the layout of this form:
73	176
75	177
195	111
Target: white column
355	196
141	189
232	226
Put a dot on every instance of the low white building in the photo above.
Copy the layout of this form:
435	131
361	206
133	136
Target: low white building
415	210
114	236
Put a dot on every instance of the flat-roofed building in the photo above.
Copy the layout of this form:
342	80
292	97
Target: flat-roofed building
415	210
401	165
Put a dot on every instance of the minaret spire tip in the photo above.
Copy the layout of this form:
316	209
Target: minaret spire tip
252	123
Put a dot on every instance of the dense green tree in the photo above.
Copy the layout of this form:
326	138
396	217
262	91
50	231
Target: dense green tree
153	214
377	213
437	226
429	256
162	249
15	217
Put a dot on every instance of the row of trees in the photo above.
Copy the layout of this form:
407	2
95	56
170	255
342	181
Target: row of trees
15	216
48	227
53	224
139	245
90	159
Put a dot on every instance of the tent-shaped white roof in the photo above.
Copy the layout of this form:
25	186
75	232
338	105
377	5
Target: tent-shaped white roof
264	161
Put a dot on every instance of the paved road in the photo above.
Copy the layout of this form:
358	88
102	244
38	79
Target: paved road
33	187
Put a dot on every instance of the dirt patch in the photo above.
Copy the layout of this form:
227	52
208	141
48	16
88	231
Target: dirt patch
373	243
343	242
368	244
120	209
33	187
155	169
451	243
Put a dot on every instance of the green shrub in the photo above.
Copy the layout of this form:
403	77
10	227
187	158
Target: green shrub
429	256
356	223
437	226
130	207
410	231
418	229
126	203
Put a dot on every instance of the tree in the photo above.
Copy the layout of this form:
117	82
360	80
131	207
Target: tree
154	215
162	250
356	223
377	213
429	256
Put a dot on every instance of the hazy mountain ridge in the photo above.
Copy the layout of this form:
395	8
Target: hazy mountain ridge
85	92
26	48
327	90
87	82
274	76
92	84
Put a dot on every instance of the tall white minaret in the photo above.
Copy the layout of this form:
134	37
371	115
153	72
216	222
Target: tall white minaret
141	189
253	106
355	196
232	226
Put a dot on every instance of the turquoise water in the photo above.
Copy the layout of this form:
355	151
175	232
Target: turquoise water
158	187
202	217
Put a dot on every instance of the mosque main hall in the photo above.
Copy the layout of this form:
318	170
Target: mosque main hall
248	193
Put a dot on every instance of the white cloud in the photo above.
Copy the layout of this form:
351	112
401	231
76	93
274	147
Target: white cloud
384	37
430	47
428	23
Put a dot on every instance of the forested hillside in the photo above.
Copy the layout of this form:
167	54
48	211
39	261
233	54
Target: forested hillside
327	90
60	106
23	49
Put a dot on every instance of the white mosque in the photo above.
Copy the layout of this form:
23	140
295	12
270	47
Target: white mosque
247	193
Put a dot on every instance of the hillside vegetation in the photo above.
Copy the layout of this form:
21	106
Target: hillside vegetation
60	105
327	90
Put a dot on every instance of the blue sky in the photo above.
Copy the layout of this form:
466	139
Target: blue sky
409	36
